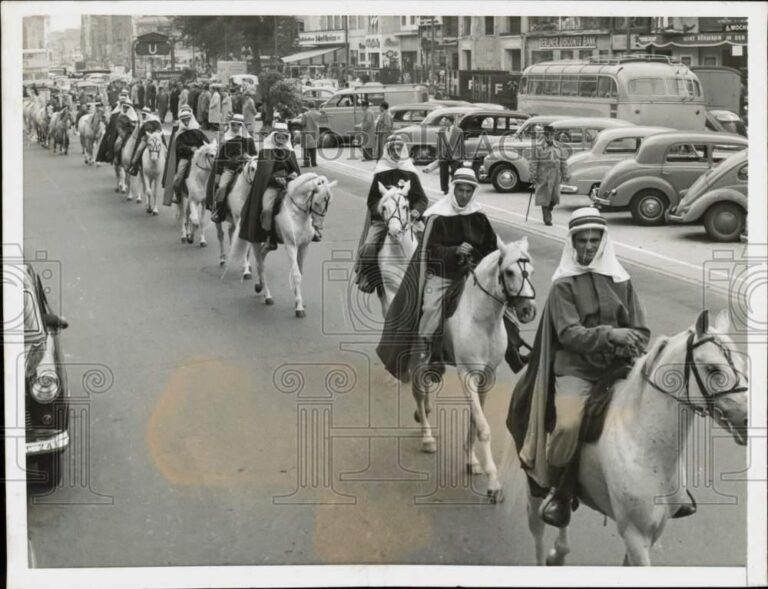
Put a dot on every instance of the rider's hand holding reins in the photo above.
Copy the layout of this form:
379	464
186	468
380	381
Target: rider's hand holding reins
624	336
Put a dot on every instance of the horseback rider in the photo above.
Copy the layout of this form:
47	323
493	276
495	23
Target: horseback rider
126	121
150	123
185	139
234	150
277	165
593	325
456	237
395	168
106	153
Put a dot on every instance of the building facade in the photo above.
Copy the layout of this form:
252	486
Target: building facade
65	47
35	47
106	40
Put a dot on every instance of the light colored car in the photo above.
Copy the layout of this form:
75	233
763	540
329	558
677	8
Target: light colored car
663	168
587	169
718	199
725	121
508	166
244	80
482	128
405	115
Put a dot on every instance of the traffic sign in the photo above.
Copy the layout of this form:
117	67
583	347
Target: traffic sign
156	48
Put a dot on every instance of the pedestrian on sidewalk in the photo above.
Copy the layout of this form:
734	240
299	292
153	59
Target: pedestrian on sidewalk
450	152
548	170
384	126
368	131
310	135
162	103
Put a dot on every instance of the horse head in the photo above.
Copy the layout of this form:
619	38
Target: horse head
394	207
515	271
249	169
205	156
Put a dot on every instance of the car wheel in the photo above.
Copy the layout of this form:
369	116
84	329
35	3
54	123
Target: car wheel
725	221
422	154
649	207
328	139
505	178
45	472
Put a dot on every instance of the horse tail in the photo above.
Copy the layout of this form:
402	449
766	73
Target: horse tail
513	479
236	250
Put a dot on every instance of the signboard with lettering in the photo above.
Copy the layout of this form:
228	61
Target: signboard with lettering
321	38
700	39
152	44
570	42
723	24
372	42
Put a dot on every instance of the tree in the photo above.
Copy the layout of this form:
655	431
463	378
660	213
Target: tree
284	98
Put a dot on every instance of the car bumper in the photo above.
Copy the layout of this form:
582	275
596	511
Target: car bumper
48	443
603	202
568	189
677	219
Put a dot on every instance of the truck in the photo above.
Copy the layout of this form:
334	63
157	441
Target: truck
723	87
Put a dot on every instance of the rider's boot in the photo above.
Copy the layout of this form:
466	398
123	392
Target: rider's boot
421	356
556	508
219	211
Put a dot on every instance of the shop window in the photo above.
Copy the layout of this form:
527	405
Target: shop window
513	25
489	25
403	21
467	59
585	53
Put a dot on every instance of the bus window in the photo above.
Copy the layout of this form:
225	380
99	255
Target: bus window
537	84
648	87
625	145
552	87
606	87
523	88
569	86
588	86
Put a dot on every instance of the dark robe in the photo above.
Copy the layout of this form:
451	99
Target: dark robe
182	146
106	154
230	156
269	161
571	301
175	103
436	252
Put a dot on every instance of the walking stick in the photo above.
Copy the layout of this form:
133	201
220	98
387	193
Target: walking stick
530	198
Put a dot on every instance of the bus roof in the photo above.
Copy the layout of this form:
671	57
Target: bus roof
575	67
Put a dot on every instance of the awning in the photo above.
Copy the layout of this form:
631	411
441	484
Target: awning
306	57
697	40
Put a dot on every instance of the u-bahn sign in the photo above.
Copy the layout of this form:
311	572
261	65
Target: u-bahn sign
152	44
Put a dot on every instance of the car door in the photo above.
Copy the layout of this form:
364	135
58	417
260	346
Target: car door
338	114
684	163
476	130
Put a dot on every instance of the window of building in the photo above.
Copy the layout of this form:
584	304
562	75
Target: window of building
353	56
539	56
467	59
323	23
413	20
489	25
337	22
374	59
403	21
585	53
466	26
566	54
450	26
512	25
513	59
543	23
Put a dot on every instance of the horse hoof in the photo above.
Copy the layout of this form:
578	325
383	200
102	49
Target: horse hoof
117	190
554	558
257	288
269	301
496	496
222	263
155	211
183	239
203	244
301	313
429	446
246	275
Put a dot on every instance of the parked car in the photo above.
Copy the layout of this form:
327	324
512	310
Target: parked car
508	167
405	115
718	199
482	130
320	94
587	169
665	165
725	121
47	397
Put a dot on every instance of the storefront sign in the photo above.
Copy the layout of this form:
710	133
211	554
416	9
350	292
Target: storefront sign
570	42
372	42
321	38
723	24
391	42
700	39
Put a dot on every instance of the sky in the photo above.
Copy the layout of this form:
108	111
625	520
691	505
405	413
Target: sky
59	22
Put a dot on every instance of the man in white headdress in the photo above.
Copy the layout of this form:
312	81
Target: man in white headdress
185	139
150	123
235	148
592	324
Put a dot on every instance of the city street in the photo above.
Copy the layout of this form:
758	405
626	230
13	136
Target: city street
233	433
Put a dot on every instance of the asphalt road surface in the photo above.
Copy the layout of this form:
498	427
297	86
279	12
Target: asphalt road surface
203	444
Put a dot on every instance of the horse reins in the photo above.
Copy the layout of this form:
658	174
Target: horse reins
510	298
691	367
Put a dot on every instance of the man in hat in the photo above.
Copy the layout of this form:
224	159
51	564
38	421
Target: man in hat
235	148
185	139
277	166
124	107
150	123
384	126
310	135
450	151
393	169
593	325
548	169
203	103
456	237
368	132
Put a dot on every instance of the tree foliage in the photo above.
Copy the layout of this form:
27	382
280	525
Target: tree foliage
284	98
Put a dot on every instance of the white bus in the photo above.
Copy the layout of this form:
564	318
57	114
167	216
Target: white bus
647	90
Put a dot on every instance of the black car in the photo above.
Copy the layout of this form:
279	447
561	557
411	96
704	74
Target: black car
46	409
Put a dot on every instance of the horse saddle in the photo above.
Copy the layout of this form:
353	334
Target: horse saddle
599	399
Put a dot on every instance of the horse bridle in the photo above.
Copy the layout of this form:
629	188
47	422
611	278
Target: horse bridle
202	168
510	298
691	367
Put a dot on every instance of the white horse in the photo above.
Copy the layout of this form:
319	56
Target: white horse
152	166
631	474
307	197
192	204
236	198
91	129
400	242
125	182
475	340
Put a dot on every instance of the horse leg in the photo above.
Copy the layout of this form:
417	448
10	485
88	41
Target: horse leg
200	209
537	527
638	546
473	384
247	272
556	556
220	237
182	217
473	464
261	285
428	443
295	277
118	186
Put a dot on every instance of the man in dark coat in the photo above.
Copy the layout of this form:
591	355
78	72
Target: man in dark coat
194	94
175	101
108	147
393	168
277	166
185	139
236	147
592	323
140	95
151	95
548	169
149	124
456	237
162	103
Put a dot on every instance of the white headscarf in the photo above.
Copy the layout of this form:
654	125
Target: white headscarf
403	162
605	261
448	206
230	135
193	124
269	140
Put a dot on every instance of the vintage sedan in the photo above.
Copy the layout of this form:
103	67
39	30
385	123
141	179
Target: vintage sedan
405	115
482	130
718	199
725	121
47	398
507	165
663	168
587	169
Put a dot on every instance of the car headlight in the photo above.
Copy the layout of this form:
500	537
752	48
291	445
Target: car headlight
46	386
613	192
